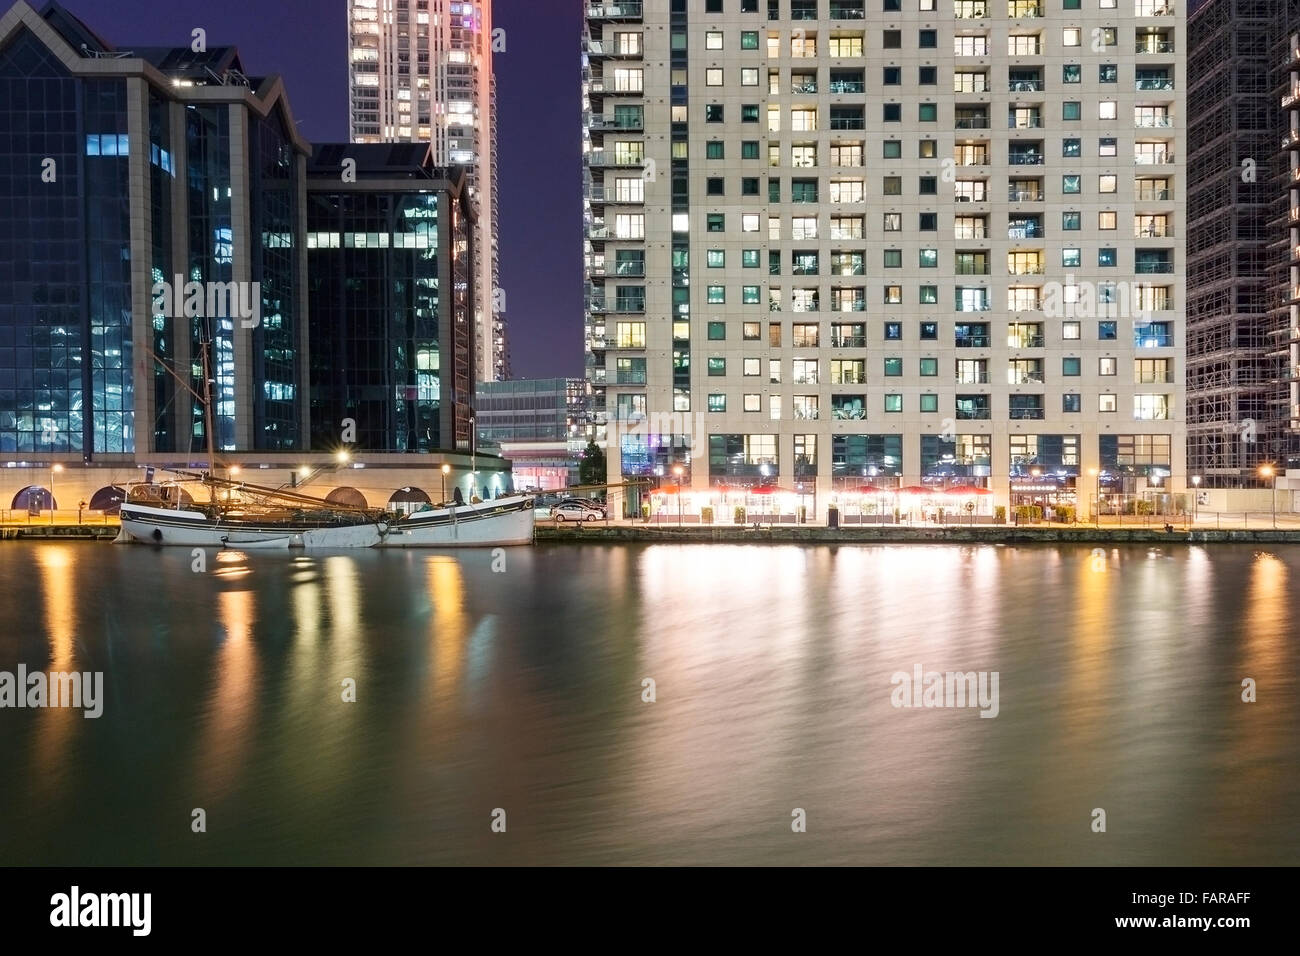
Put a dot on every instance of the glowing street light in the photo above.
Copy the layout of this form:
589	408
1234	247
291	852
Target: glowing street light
1268	471
678	471
1096	496
446	469
1196	497
54	469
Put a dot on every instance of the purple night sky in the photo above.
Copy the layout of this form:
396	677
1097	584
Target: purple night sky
538	131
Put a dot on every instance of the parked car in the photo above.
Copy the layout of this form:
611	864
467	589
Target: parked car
594	503
576	511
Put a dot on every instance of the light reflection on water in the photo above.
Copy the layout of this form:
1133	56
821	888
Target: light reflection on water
1120	684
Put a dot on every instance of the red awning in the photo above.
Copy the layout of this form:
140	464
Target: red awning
917	490
873	490
967	490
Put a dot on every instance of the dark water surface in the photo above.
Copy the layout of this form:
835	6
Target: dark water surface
1119	688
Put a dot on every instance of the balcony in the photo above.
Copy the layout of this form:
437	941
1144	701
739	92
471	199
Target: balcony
601	124
1021	10
971	122
1292	95
598	87
1153	84
603	159
1152	195
848	11
626	10
1025	157
971	10
1025	269
977	341
1144	47
1025	342
1149	158
1025	414
1025	86
974	414
848	341
1143	339
602	196
972	378
1152	122
1022	194
847	86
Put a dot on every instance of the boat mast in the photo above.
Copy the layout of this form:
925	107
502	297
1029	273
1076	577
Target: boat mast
205	400
207	418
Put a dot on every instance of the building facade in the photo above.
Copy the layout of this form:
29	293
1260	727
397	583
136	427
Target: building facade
129	174
1241	401
421	71
161	219
830	244
528	410
390	252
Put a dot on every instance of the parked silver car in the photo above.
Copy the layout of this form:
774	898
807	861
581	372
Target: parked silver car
576	511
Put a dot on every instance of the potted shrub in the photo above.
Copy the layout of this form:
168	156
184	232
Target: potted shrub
706	514
739	515
1000	514
645	511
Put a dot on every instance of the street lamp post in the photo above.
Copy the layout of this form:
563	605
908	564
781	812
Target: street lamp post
1196	497
677	473
1268	471
54	469
1096	495
445	470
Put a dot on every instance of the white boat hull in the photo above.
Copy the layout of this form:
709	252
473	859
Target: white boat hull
502	521
194	529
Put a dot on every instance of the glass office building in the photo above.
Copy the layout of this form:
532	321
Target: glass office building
125	167
391	299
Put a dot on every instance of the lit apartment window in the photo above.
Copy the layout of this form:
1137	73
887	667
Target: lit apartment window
1026	45
1151	407
846	227
846	46
845	154
628	80
850	190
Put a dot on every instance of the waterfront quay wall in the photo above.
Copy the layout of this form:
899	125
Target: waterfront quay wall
889	534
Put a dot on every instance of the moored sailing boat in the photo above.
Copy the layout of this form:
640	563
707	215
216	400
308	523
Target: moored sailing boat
258	518
500	521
